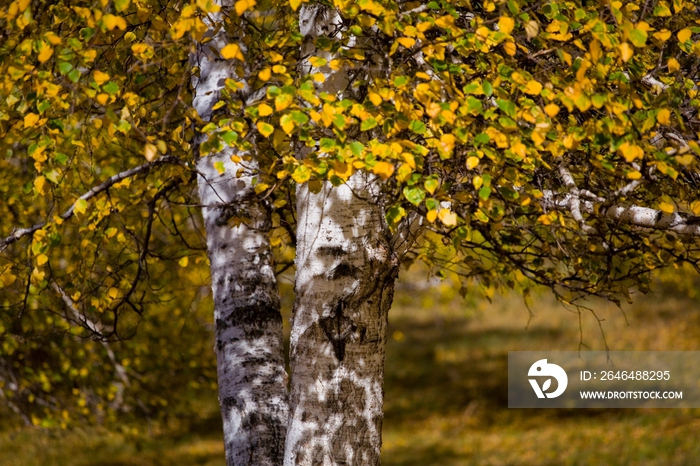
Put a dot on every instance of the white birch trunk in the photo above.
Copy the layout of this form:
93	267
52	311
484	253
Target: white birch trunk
344	288
249	349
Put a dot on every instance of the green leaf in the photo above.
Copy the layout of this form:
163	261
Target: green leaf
326	145
229	137
74	76
111	87
339	121
485	192
662	10
431	185
415	195
357	148
507	107
417	127
394	214
299	117
368	124
481	138
638	37
64	67
432	204
219	166
400	81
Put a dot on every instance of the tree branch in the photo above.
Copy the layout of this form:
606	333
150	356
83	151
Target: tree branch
642	217
92	326
111	181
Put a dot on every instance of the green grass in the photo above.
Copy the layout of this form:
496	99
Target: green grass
446	394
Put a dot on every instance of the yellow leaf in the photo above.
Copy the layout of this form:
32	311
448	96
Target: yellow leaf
149	152
288	126
383	169
407	42
265	129
533	88
506	24
139	48
41	259
113	21
39	184
519	149
684	35
100	77
113	293
673	65
634	175
184	261
532	29
666	207
663	116
102	98
208	6
52	38
265	74
319	77
472	162
510	48
336	64
431	215
631	152
45	52
7	278
375	98
264	110
30	119
551	109
80	206
242	5
283	101
318	62
595	50
663	35
626	51
695	207
295	4
232	51
537	138
448	218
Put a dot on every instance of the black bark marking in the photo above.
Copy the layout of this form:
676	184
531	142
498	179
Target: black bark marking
256	315
344	270
333	251
338	329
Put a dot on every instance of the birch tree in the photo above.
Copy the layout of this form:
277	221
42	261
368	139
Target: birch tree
250	358
516	144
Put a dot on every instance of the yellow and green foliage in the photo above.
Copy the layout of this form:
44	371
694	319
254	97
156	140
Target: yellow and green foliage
486	118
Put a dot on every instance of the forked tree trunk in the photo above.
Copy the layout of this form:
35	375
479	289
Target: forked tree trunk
344	288
250	358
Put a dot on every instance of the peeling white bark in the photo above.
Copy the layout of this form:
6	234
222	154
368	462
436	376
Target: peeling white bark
250	358
641	217
344	288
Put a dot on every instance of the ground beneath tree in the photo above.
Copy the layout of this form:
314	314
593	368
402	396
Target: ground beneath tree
446	394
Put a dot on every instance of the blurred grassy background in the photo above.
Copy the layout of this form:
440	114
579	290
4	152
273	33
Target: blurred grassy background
446	394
